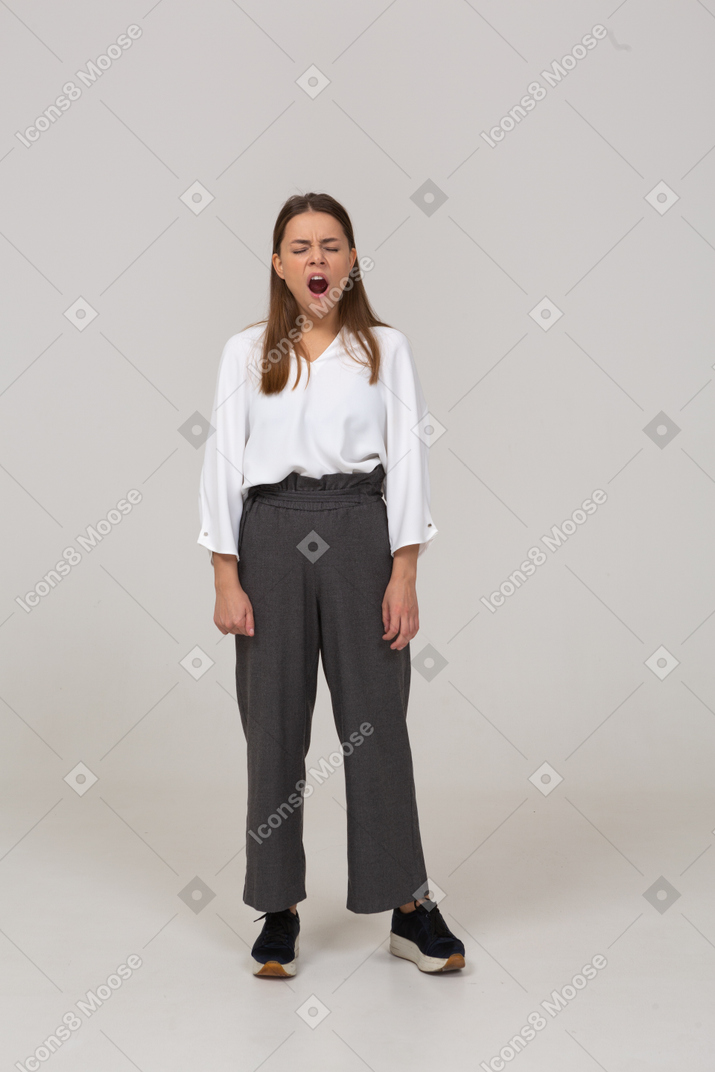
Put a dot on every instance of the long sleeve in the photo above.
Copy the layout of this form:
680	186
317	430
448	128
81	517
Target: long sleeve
220	497
407	484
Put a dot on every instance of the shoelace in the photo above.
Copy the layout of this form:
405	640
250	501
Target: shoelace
438	927
277	927
435	922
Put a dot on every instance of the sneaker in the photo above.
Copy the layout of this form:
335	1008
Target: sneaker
423	937
276	947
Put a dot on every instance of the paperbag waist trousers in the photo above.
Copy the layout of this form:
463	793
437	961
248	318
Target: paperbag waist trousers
314	559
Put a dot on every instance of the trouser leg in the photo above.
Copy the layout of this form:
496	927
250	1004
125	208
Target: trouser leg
369	685
276	678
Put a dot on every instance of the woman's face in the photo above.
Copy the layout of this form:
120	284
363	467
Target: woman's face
314	244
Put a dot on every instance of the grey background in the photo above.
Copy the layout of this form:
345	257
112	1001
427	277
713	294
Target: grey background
119	667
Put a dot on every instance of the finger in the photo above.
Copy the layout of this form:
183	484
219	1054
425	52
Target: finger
398	642
398	625
385	616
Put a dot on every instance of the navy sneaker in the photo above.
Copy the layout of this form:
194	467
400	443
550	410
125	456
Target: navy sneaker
423	937
276	947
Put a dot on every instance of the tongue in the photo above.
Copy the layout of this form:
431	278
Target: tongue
317	286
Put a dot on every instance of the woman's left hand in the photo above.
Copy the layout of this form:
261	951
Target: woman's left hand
400	613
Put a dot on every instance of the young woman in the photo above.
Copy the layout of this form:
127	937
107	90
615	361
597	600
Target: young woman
317	410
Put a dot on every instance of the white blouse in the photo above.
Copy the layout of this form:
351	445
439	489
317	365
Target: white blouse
333	422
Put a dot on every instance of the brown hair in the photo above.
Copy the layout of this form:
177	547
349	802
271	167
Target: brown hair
283	330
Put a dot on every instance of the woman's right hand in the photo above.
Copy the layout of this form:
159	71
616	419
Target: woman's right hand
233	612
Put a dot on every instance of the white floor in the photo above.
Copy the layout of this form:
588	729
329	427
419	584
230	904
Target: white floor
535	890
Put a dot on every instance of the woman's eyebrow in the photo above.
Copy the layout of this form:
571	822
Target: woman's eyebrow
307	240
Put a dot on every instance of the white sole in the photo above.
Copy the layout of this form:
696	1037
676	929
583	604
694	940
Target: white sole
403	947
273	968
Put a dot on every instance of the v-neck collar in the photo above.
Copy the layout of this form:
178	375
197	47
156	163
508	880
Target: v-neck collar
328	348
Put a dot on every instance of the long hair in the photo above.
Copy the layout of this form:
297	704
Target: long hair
284	321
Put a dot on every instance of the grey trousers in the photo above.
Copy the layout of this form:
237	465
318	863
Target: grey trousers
314	559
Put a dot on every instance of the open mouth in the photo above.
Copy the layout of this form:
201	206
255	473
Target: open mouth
317	284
